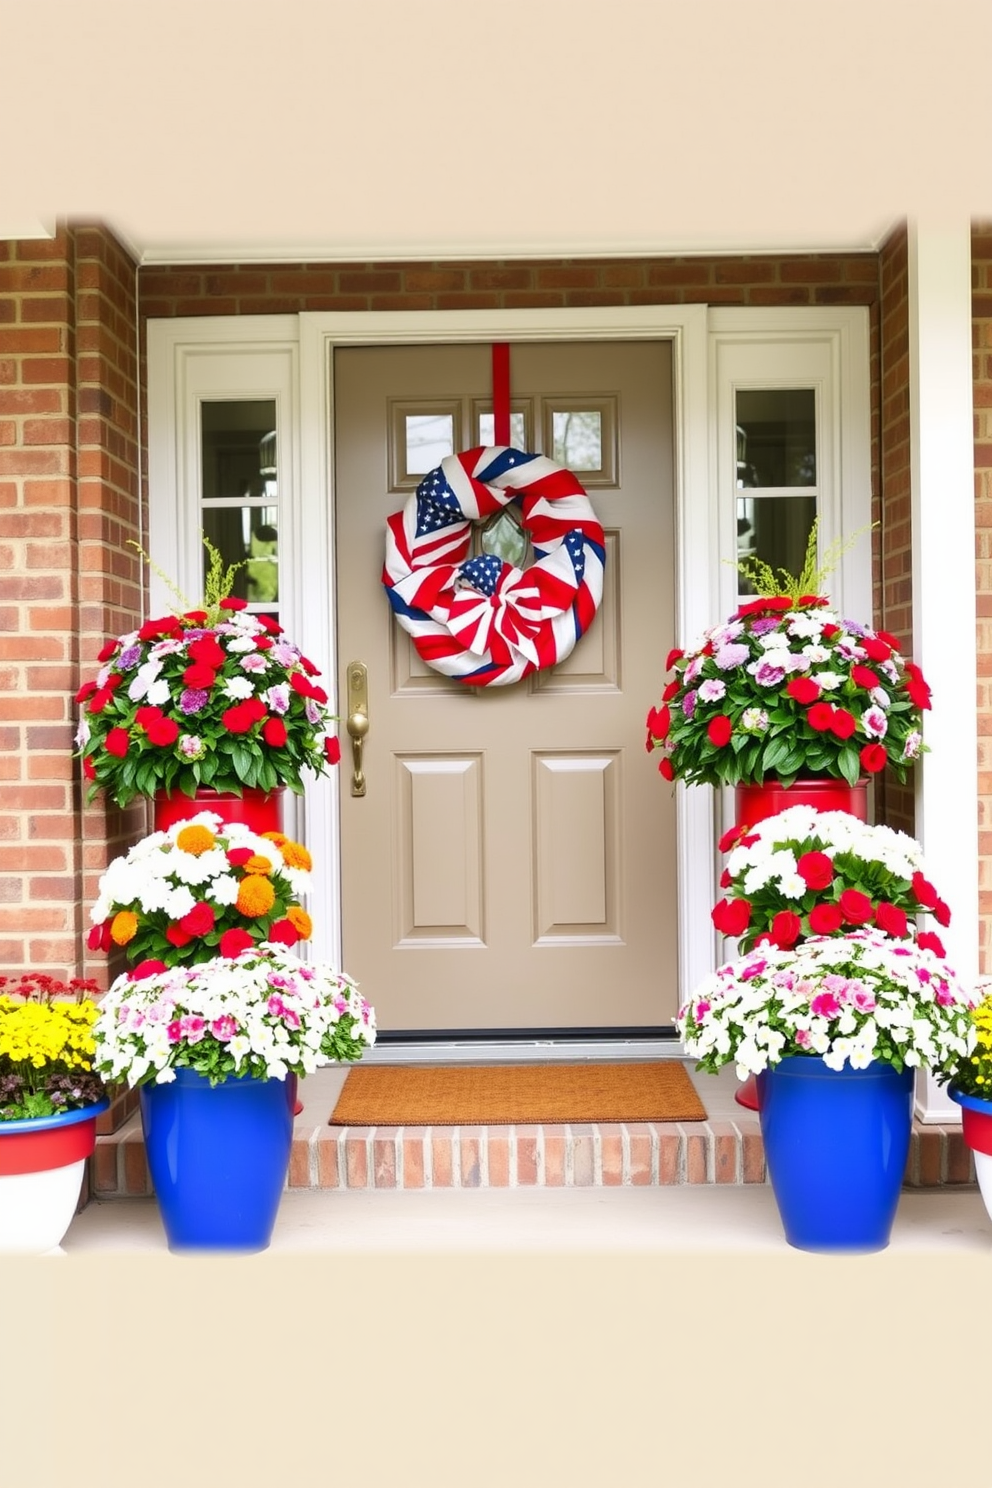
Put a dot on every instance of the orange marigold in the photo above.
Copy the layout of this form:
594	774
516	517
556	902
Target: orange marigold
300	921
123	927
295	855
257	864
277	837
256	896
195	840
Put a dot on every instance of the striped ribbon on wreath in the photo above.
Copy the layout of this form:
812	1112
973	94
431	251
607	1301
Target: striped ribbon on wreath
479	619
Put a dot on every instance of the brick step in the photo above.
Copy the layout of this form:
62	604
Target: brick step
607	1155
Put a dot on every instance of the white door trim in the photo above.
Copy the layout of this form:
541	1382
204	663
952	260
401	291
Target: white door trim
695	521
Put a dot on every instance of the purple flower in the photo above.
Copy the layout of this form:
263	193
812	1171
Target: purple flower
764	625
731	656
689	704
129	658
193	699
766	674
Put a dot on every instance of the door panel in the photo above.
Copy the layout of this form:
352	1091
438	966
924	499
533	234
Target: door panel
512	864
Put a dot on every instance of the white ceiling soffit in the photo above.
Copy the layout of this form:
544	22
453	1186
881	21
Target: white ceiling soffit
315	130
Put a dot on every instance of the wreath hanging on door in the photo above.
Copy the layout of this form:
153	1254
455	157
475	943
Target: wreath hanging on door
483	620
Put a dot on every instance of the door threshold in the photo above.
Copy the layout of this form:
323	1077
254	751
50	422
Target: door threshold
524	1051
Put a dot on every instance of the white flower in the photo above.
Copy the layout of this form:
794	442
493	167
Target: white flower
775	640
828	680
143	679
256	662
83	731
276	698
241	643
874	723
816	655
754	720
806	624
238	687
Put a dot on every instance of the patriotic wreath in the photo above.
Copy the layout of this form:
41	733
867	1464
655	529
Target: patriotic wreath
479	619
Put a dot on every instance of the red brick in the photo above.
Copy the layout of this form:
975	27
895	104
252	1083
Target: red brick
413	1156
640	1143
441	1161
528	1154
724	1152
470	1142
583	1157
498	1152
554	1158
696	1157
328	1175
611	1155
103	1166
384	1157
299	1158
356	1157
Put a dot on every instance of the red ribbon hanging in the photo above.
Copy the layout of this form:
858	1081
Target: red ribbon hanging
501	392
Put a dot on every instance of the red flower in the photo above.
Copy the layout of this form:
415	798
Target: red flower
89	769
200	920
332	749
660	722
863	676
234	941
99	937
237	720
843	723
726	879
207	651
284	932
671	690
263	643
786	929
152	629
199	675
255	708
274	732
830	630
873	758
811	602
875	649
888	638
919	693
89	688
238	856
302	684
144	716
928	941
198	617
804	690
233	604
145	969
731	916
673	656
163	732
114	681
308	667
177	936
820	717
117	742
719	730
924	890
729	838
855	907
272	626
891	919
100	699
942	914
666	769
816	870
825	919
106	652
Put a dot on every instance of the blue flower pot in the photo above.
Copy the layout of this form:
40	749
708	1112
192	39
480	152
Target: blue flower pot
218	1157
836	1144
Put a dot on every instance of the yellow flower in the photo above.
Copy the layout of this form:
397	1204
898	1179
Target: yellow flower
256	896
196	840
277	837
257	864
123	927
295	855
300	921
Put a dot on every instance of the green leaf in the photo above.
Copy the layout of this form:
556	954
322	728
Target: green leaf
850	764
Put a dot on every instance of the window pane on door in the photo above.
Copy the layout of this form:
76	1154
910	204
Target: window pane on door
774	529
776	437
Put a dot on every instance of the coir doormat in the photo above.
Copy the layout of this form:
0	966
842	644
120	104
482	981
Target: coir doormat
512	1094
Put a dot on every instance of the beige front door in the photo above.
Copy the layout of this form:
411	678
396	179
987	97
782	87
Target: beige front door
512	863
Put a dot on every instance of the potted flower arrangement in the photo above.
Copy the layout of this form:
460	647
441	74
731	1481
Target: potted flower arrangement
201	889
787	690
210	1047
805	872
206	699
971	1088
833	1028
50	1098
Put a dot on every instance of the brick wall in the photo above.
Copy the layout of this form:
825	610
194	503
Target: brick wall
68	457
981	266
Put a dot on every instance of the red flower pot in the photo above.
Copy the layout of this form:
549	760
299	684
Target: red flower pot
756	802
260	811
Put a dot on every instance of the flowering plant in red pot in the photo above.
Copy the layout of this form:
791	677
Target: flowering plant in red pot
808	873
203	889
211	697
785	689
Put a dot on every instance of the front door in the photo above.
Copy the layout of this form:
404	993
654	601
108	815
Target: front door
511	865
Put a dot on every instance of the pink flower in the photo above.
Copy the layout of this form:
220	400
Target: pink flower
224	1028
193	1028
863	1000
276	1006
803	1038
174	1031
825	1005
700	1011
766	674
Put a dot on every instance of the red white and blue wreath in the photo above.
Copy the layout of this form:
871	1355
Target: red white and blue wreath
481	620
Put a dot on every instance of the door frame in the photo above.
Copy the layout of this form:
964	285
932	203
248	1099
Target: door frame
184	356
685	326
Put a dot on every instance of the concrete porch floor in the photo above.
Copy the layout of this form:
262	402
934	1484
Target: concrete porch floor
371	1210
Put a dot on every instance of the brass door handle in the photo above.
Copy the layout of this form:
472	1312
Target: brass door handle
357	722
